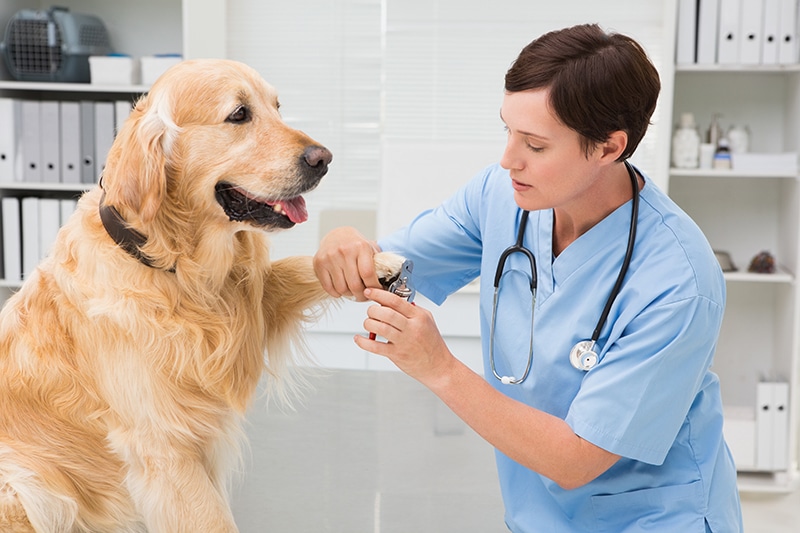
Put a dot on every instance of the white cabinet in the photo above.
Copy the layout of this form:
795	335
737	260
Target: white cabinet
744	213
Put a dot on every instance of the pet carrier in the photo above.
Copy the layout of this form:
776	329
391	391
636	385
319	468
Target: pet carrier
53	45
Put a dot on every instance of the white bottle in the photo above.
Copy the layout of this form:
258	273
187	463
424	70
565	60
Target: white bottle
686	143
722	157
714	133
739	139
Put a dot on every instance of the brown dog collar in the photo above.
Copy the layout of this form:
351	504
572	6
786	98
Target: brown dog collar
125	236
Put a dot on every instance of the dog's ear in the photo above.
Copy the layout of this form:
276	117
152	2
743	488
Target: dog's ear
135	174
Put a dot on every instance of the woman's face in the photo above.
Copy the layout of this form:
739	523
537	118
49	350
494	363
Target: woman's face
547	164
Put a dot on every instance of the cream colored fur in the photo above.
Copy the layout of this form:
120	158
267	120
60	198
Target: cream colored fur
122	386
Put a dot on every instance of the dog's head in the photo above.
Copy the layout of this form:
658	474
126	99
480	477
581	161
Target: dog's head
209	135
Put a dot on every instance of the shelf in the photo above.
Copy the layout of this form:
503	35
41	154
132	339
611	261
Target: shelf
71	87
712	173
45	187
768	483
781	276
794	67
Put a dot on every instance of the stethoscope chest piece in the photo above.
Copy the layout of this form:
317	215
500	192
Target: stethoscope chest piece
582	356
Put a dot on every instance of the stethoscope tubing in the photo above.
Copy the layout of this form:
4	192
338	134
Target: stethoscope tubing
626	261
518	247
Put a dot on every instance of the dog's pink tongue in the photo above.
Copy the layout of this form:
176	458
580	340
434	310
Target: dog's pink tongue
295	209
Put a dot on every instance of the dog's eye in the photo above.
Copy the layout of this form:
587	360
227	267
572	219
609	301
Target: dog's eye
239	116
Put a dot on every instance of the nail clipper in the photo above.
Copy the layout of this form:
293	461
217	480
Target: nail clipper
402	286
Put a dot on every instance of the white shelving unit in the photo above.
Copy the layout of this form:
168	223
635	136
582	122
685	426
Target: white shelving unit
82	88
194	28
744	213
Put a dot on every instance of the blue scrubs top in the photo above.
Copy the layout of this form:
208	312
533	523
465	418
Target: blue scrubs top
651	398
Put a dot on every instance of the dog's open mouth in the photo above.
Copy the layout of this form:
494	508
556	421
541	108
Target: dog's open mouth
242	206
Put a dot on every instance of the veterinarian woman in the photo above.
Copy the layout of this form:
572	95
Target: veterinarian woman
618	431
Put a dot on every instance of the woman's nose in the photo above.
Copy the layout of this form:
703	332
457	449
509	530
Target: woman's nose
510	160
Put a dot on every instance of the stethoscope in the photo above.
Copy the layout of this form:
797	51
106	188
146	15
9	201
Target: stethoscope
583	355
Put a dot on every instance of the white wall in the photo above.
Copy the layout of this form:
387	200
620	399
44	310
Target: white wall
406	93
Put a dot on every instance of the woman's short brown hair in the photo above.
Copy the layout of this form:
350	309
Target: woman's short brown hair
599	82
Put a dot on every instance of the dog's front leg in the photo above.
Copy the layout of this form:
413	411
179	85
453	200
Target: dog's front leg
293	288
175	495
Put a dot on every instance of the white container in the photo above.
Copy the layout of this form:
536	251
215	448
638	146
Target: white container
686	143
765	164
739	428
114	70
739	137
155	66
707	155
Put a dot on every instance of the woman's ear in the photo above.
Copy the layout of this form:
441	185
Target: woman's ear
614	146
134	178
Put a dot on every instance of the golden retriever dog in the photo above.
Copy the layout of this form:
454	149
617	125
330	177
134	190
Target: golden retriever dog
129	356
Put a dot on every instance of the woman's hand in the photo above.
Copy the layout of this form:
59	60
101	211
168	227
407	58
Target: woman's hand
344	263
413	341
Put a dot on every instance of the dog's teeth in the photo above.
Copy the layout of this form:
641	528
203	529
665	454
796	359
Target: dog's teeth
278	208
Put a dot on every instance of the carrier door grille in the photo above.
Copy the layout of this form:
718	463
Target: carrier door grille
35	46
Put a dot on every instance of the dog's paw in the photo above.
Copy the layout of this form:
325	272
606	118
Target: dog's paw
387	266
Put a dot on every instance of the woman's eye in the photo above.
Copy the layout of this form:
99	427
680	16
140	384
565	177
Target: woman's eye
240	115
530	147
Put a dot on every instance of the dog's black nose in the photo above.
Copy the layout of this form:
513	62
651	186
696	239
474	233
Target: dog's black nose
318	158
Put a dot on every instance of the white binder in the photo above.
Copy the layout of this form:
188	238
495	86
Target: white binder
2	255
686	44
104	127
770	32
70	142
765	424
31	145
707	31
728	42
751	28
87	141
122	110
787	43
50	139
12	239
10	138
66	208
30	235
780	436
49	223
